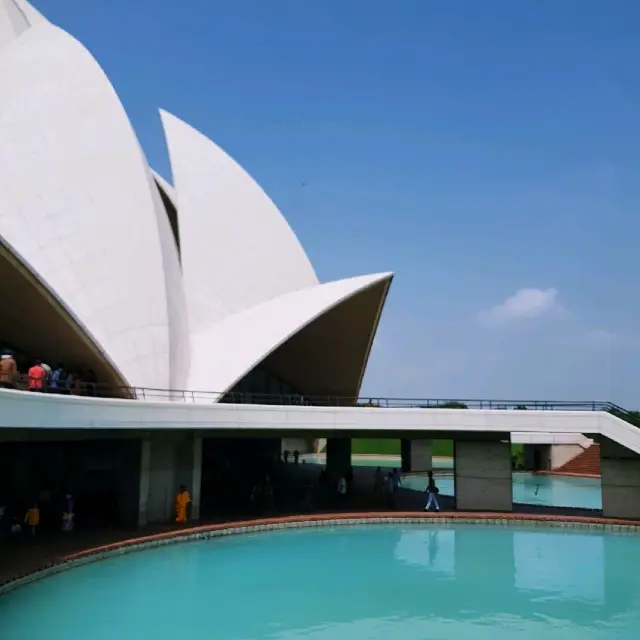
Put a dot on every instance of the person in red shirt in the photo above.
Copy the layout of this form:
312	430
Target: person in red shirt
37	375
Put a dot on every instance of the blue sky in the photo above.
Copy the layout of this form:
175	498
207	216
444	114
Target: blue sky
486	152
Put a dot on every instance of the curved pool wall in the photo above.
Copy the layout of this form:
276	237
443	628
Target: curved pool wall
528	488
528	521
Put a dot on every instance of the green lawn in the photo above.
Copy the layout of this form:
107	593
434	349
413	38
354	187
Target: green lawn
376	446
389	447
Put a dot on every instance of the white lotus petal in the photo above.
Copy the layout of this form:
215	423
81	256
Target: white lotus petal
236	248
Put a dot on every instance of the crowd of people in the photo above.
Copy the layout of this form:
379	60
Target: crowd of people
17	521
42	378
261	488
267	496
331	490
272	491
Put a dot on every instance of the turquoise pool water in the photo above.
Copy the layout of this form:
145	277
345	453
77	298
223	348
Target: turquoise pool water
388	462
360	583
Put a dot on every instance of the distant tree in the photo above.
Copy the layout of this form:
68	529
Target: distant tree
632	417
452	404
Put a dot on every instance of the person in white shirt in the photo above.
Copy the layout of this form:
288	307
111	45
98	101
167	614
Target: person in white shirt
432	492
397	479
342	490
390	491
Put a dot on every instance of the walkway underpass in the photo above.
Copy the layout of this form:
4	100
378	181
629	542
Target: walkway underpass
195	443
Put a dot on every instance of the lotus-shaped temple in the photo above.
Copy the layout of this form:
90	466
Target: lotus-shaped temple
199	284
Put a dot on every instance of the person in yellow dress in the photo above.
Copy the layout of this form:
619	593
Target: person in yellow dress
182	500
32	519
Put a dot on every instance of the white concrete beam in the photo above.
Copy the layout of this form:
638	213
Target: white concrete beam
33	411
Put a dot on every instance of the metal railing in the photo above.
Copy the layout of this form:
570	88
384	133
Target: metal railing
101	390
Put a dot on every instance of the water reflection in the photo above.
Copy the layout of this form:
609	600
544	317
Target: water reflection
545	565
445	582
433	550
525	570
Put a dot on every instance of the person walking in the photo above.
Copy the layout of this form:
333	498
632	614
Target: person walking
390	491
342	491
68	514
432	492
397	479
183	499
378	483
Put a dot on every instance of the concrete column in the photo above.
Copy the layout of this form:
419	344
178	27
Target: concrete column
271	449
196	477
129	481
167	461
416	455
620	471
482	473
537	457
338	456
145	469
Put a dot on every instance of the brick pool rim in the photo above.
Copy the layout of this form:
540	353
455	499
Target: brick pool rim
210	531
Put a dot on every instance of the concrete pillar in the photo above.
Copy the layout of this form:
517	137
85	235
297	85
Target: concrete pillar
145	469
168	460
196	477
537	457
416	455
338	456
620	471
482	473
128	469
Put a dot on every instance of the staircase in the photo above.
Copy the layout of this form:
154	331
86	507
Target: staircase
587	462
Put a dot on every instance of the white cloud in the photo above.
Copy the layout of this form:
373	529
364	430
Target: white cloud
523	304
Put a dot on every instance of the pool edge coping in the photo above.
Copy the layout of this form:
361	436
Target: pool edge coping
205	532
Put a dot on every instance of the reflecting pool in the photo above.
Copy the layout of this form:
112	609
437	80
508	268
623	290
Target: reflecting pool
412	582
387	462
